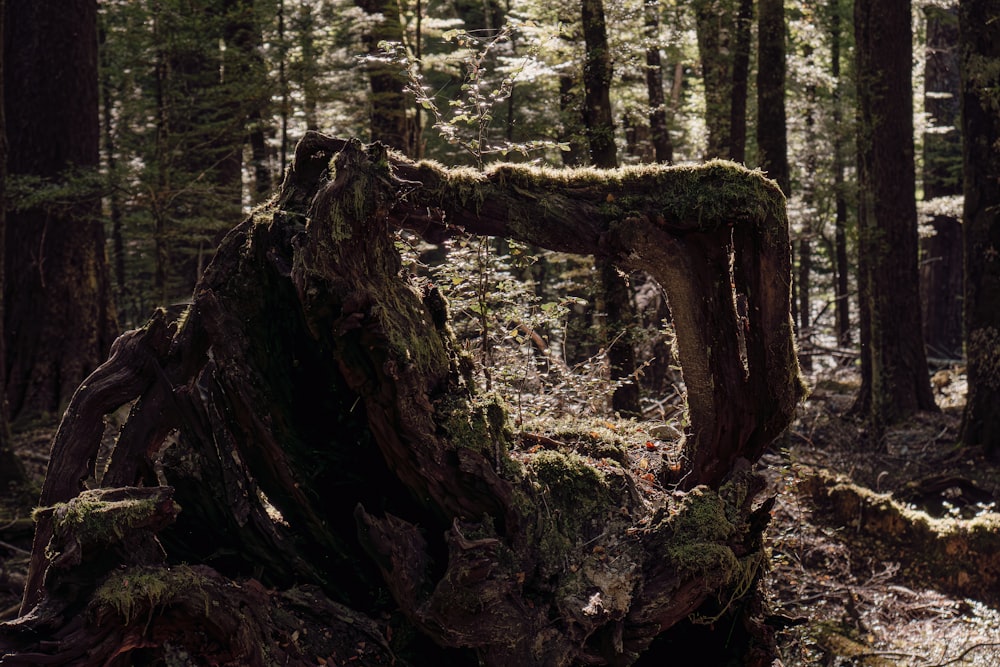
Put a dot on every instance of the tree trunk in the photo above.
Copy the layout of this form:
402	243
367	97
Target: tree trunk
842	307
619	312
11	470
659	128
741	72
723	28
389	121
597	71
941	253
247	73
893	360
772	143
332	465
980	56
307	68
59	314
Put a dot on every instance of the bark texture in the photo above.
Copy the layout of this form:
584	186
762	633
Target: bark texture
980	64
723	28
941	269
59	317
895	381
307	439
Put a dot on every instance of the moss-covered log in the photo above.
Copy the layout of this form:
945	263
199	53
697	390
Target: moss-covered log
314	421
959	555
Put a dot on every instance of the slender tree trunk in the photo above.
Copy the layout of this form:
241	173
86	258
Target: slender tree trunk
161	249
389	121
597	71
111	159
619	310
285	108
842	307
723	28
772	143
894	359
713	19
60	317
980	66
659	128
941	253
307	68
741	71
248	76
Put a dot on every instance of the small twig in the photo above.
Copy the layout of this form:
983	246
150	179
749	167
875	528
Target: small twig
886	654
15	549
543	441
961	656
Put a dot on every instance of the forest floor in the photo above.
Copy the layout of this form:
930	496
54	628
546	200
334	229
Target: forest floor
845	589
886	574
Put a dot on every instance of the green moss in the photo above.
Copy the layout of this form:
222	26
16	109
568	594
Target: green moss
716	564
695	536
478	423
701	517
570	499
568	478
92	518
129	592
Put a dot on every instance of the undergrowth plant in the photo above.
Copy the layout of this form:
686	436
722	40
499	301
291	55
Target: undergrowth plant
516	328
466	121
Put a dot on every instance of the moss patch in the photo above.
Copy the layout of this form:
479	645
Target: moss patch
93	517
137	590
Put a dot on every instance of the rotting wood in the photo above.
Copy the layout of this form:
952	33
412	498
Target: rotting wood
316	424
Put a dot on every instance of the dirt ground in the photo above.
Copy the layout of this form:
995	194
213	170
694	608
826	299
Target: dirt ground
840	594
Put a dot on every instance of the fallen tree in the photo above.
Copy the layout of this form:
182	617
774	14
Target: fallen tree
307	470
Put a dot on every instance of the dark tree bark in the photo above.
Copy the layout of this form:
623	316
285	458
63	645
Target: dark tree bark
772	143
895	381
108	96
619	312
659	129
842	309
941	254
597	71
11	470
314	380
741	72
59	314
979	34
389	121
247	72
723	28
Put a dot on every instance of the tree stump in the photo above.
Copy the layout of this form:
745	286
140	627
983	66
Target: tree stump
308	474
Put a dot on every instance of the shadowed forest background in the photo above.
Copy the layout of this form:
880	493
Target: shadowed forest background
136	136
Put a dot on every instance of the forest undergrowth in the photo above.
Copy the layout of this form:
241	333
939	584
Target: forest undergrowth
867	592
842	591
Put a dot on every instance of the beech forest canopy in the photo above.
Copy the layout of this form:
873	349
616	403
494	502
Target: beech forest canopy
203	102
200	104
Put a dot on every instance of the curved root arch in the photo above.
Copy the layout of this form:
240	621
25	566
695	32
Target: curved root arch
314	423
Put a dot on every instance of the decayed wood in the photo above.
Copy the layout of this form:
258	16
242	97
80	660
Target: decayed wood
316	424
129	370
